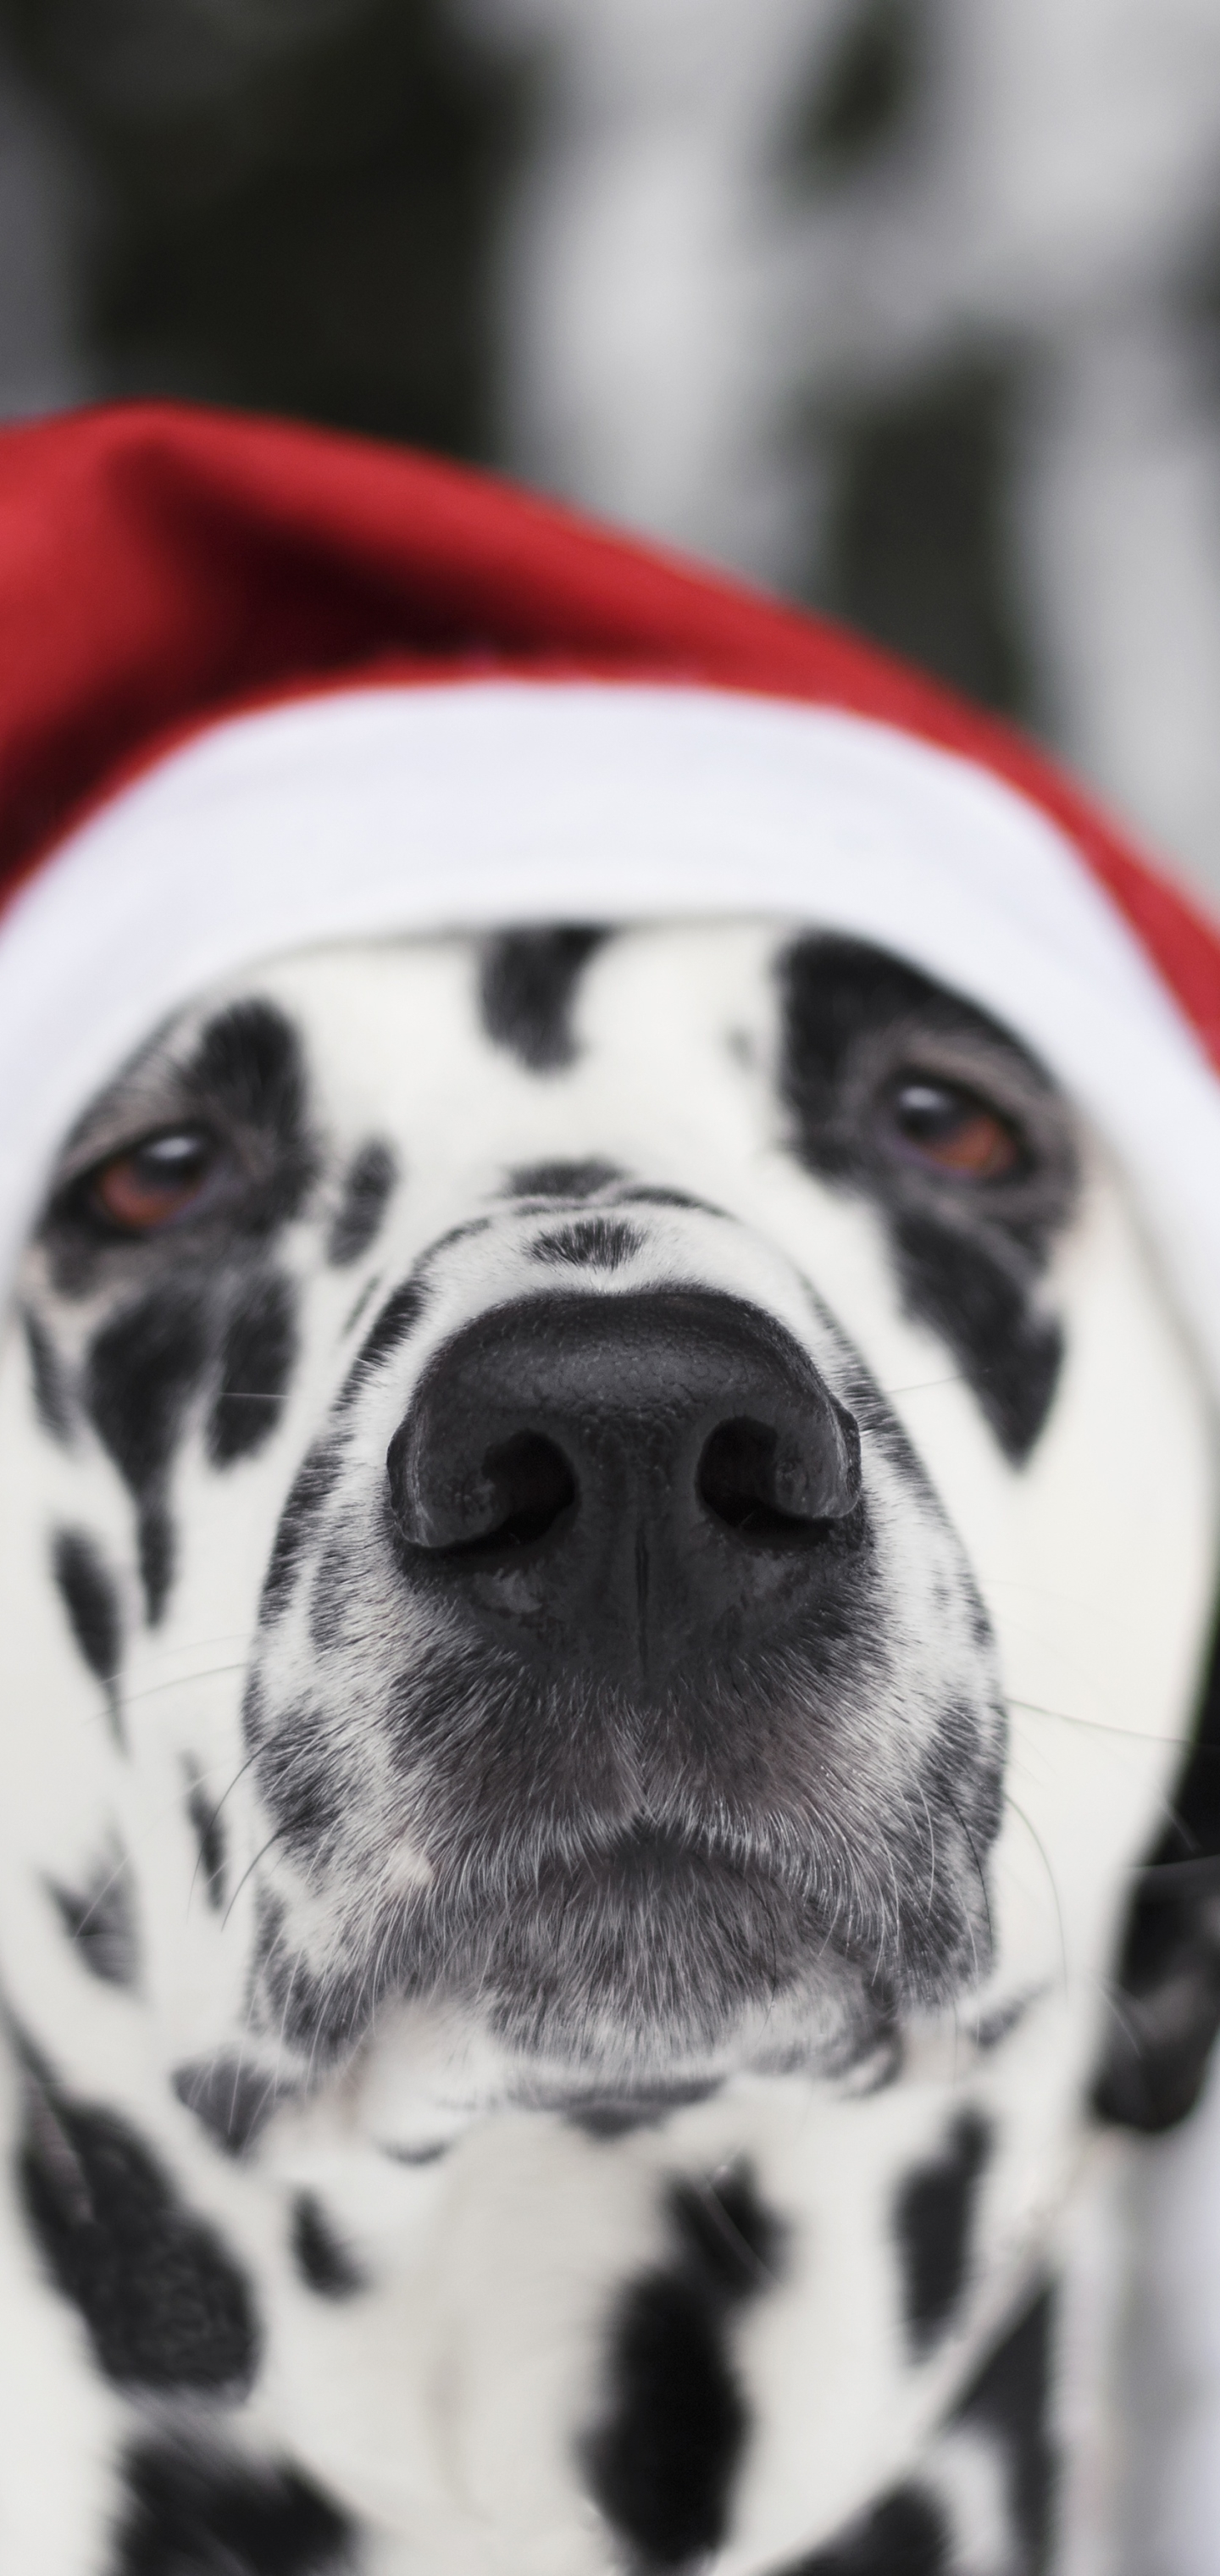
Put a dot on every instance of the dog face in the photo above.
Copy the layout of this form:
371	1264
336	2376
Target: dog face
586	1467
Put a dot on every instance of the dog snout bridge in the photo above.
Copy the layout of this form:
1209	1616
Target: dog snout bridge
622	1477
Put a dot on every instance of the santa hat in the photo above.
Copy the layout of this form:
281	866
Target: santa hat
264	686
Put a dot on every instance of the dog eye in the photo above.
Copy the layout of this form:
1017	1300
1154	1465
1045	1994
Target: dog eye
947	1129
153	1182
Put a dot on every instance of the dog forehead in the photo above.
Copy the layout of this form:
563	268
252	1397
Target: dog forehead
536	1026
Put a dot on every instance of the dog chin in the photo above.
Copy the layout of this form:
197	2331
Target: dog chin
431	2070
617	1988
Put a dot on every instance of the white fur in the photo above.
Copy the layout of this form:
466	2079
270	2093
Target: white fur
445	2405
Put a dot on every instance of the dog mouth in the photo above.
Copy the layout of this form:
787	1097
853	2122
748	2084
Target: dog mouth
634	1968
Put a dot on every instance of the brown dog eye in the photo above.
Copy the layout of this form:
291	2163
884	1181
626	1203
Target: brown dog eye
153	1182
947	1129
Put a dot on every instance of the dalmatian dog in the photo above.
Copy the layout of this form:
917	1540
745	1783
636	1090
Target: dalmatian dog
608	1556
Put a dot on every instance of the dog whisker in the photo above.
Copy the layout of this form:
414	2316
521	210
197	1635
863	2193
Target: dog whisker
184	1681
1040	1848
248	1872
1105	1726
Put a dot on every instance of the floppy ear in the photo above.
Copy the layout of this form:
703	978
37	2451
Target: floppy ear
1167	1989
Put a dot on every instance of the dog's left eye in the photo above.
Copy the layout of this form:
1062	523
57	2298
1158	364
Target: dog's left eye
146	1187
946	1128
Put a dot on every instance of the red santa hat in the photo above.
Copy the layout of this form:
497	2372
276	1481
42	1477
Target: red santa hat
262	686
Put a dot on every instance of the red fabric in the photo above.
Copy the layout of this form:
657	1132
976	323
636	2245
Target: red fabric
159	564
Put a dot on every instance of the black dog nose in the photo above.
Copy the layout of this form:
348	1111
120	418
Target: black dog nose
624	1476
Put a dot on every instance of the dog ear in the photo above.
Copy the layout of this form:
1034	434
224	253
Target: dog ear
1167	1991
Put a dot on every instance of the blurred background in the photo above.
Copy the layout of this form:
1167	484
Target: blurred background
909	308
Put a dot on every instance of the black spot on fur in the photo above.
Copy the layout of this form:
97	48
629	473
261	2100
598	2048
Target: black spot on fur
231	2100
321	2258
933	2220
605	2116
661	2465
158	1556
593	1242
248	1067
314	1482
142	1372
562	1180
89	1597
1167	2004
904	2536
209	1836
192	2510
994	2028
860	99
366	1190
163	2301
969	1257
257	1355
978	1301
528	989
392	1326
1011	2399
98	1919
47	1380
297	1774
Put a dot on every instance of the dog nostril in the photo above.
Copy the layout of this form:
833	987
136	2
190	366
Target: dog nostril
737	1481
450	1506
533	1486
749	1482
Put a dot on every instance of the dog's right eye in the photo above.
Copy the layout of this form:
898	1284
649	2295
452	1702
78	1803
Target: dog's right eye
151	1184
948	1129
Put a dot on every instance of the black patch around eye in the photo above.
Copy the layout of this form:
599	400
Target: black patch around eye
321	2257
968	1258
142	1371
192	2510
47	1380
209	1837
905	2536
256	1361
248	1066
314	1482
1010	1354
230	2099
933	2224
366	1190
662	2463
244	1091
529	984
163	2302
98	1920
591	1243
562	1180
92	1605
